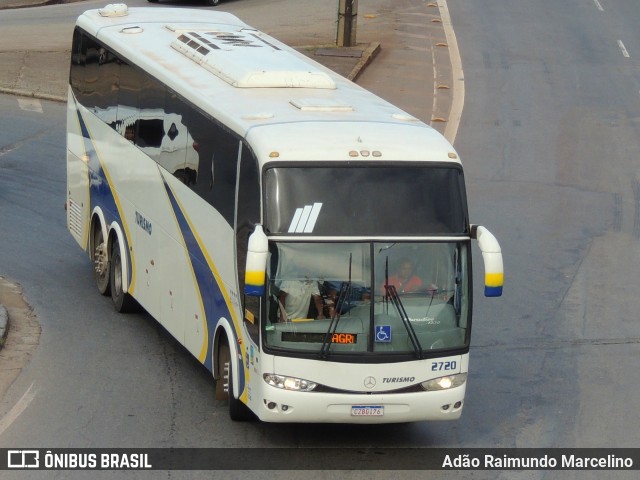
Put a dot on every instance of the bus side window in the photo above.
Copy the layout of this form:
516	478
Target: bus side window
150	132
178	153
78	62
90	61
128	111
219	145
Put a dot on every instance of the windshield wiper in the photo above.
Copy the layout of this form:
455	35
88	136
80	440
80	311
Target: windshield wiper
345	289
392	293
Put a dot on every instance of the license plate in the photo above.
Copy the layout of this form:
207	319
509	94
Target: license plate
367	411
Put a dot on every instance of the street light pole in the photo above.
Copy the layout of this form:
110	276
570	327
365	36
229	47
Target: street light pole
347	20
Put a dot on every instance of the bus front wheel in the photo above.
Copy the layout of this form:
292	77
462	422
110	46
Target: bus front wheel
238	411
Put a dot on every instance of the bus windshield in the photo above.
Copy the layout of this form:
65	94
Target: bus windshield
403	199
338	298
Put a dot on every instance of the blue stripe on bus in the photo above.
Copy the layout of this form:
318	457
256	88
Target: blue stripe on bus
100	191
213	300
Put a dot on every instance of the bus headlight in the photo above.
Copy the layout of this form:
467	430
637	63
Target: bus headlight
289	383
444	383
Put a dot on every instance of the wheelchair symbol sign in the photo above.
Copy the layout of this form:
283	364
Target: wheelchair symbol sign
383	333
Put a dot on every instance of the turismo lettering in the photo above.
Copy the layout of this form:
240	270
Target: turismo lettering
143	223
398	379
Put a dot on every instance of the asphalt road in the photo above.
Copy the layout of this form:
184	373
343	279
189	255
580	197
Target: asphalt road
550	135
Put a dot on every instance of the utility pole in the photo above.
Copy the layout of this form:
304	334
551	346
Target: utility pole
347	19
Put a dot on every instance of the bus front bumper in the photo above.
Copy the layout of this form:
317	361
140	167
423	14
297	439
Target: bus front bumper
279	405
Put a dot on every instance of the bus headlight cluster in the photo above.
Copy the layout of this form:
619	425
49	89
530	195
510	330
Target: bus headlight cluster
444	383
289	383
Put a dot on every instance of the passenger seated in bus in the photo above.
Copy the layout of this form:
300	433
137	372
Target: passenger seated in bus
295	299
406	281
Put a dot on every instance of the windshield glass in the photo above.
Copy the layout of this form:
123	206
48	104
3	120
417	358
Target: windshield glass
334	298
404	199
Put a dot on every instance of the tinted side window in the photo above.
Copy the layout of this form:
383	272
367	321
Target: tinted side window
186	143
78	62
128	100
216	169
150	133
177	152
94	75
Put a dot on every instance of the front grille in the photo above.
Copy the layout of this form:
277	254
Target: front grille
410	389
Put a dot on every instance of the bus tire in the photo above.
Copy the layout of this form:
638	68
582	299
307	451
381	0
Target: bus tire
123	302
100	258
238	411
222	383
212	3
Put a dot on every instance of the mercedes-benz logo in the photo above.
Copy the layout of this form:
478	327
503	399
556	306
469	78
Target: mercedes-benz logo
369	382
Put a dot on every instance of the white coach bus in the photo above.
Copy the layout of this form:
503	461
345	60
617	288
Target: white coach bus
306	241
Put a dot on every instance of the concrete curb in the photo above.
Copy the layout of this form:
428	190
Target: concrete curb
16	4
4	325
367	56
24	93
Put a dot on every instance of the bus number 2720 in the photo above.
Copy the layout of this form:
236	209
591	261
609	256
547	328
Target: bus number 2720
435	366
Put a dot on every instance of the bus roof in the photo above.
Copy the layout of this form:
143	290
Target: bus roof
276	97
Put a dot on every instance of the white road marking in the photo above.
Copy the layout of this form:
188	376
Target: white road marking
17	409
451	130
30	104
598	6
623	49
435	84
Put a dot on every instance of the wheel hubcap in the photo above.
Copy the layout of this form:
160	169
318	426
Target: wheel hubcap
225	377
100	259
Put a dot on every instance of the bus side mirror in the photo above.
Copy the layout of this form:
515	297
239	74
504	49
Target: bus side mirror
492	255
254	277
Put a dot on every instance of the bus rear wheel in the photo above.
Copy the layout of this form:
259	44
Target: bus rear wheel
123	302
101	266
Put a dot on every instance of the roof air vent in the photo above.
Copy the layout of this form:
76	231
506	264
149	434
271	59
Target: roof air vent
243	58
320	105
114	10
403	117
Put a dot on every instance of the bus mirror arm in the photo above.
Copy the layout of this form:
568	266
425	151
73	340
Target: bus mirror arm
492	255
256	266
